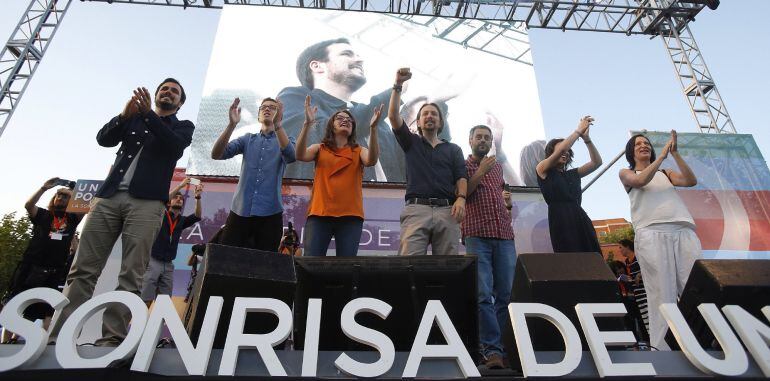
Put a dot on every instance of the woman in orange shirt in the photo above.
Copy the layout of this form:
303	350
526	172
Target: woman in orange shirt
336	203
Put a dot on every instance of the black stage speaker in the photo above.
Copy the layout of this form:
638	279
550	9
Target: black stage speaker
561	280
404	282
742	282
231	272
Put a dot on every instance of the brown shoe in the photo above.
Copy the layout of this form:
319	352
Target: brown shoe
494	361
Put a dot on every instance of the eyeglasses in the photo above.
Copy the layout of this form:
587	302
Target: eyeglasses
268	107
342	118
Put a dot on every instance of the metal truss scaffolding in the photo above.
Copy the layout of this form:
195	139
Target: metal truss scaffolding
617	16
698	86
25	48
497	27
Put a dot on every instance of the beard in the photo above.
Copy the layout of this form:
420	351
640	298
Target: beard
176	208
353	82
165	106
480	152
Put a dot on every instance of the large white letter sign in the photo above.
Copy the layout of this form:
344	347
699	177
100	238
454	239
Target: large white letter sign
195	360
754	333
454	349
66	351
573	348
263	342
598	340
11	318
312	334
368	336
735	362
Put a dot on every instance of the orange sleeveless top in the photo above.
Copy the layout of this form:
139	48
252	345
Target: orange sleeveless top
337	189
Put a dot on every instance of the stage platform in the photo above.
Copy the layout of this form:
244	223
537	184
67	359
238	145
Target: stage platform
168	365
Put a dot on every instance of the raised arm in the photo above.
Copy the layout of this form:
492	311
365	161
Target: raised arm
111	134
302	151
631	179
550	162
402	75
179	187
218	150
30	205
174	140
198	191
684	178
283	139
596	158
370	156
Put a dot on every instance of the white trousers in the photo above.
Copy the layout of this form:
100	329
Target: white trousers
666	254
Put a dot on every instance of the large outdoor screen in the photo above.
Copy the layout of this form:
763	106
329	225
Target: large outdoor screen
348	60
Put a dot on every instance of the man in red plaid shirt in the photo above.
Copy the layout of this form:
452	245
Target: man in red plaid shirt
488	234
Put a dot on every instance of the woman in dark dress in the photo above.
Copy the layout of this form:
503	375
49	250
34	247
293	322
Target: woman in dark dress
571	229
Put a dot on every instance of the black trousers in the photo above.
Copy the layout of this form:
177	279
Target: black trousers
256	232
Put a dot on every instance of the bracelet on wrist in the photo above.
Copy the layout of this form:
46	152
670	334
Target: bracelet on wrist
462	196
397	88
197	197
587	141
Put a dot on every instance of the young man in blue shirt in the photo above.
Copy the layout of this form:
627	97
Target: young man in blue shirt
256	215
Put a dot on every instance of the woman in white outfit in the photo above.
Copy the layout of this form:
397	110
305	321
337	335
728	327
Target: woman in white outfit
665	240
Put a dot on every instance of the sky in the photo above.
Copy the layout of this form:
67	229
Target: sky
102	51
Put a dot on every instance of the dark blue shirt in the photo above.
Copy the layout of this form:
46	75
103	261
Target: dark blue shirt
166	243
162	140
431	172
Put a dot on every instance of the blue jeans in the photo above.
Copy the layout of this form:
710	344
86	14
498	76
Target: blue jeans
320	230
496	262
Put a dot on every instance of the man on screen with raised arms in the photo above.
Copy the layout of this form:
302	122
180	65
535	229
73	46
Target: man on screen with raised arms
436	179
331	72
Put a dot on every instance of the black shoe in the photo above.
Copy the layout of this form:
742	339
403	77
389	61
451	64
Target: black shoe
122	363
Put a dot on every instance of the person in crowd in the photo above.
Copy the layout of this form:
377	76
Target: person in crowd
488	233
256	216
664	231
436	179
159	276
44	262
331	72
336	203
639	313
290	242
571	229
131	200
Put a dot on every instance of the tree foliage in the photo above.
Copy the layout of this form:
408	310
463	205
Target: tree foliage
15	234
617	235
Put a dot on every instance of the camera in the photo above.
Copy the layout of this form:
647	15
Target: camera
65	183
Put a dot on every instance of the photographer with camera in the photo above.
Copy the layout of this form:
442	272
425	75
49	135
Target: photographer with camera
290	242
44	263
159	275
